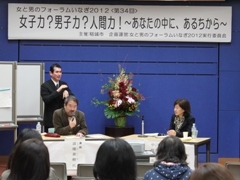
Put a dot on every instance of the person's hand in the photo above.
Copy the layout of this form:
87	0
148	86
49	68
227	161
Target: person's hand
72	122
79	134
65	94
63	86
171	132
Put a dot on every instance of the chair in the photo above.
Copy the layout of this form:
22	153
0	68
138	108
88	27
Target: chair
85	172
60	169
234	168
142	168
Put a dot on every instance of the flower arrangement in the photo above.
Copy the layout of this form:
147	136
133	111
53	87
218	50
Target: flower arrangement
123	98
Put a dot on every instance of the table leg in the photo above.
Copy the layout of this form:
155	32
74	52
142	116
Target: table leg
196	155
208	152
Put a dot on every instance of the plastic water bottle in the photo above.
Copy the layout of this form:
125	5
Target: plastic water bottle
194	131
39	127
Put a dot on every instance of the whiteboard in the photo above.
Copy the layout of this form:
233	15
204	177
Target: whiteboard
7	92
29	79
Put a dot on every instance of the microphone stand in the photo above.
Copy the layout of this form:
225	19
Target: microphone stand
142	135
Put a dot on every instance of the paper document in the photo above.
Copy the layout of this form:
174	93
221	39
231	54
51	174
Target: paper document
151	134
186	139
100	136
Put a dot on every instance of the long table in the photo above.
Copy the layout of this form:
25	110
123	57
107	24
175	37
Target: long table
74	150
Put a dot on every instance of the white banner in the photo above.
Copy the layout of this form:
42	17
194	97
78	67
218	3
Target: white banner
119	22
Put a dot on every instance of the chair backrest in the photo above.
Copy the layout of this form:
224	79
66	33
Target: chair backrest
60	169
234	168
142	168
85	171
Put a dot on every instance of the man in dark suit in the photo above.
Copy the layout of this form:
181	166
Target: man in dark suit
53	93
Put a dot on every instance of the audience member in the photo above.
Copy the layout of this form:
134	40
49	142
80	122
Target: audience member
30	161
115	160
211	171
171	161
24	135
181	120
68	120
53	93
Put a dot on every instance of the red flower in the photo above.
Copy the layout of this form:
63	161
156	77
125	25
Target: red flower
121	84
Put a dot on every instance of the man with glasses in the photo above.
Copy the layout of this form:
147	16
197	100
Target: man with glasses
68	120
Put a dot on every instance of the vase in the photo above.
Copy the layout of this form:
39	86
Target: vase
120	121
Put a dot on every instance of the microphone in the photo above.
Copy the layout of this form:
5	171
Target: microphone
73	116
142	124
142	135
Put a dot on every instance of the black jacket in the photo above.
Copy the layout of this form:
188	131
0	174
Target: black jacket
52	100
186	126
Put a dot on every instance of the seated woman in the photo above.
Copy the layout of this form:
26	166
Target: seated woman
211	171
30	161
171	161
25	134
181	120
115	160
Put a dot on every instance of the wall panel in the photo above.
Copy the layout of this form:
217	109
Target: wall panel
229	88
229	54
156	68
150	52
8	49
229	123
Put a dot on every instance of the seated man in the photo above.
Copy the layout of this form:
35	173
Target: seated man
68	120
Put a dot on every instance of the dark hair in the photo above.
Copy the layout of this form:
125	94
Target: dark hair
53	66
185	105
25	134
30	161
70	98
115	160
211	171
171	149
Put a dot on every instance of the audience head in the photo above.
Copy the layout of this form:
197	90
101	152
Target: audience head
171	149
211	171
115	160
30	161
184	105
25	134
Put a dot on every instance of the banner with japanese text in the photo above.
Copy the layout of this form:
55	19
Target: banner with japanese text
119	22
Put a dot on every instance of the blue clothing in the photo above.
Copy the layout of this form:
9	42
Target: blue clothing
168	172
